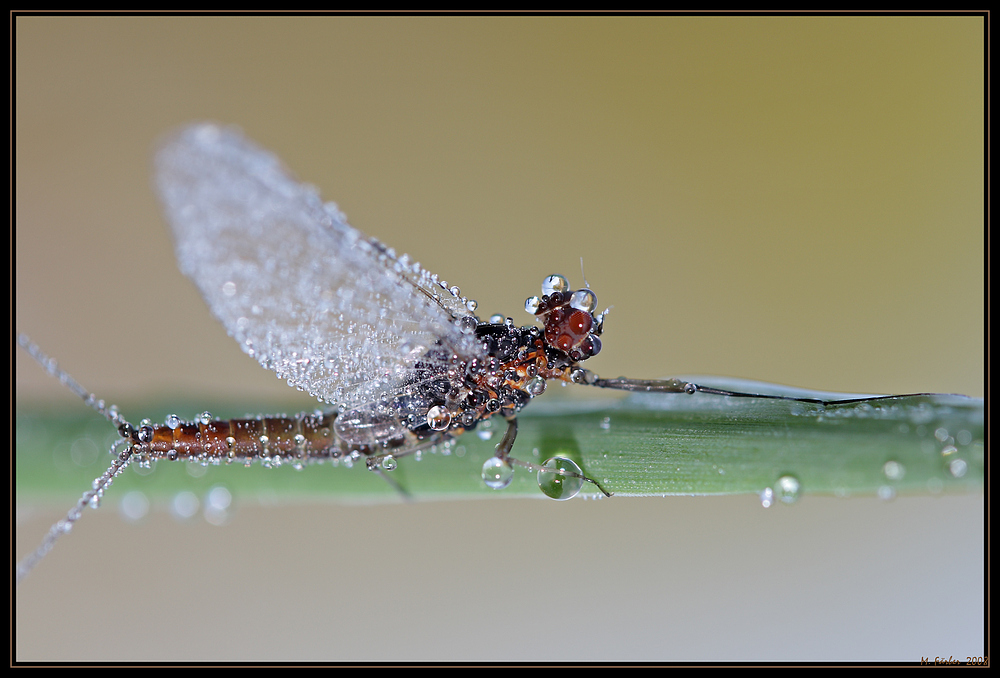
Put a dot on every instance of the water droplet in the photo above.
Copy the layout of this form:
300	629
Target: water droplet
485	430
886	493
554	283
535	386
583	300
184	505
496	318
219	498
172	421
205	418
893	470
531	305
196	468
557	486
438	418
217	503
145	434
958	468
497	473
941	434
389	463
788	489
767	497
606	423
134	506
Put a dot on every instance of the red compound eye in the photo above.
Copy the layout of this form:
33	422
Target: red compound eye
579	323
566	329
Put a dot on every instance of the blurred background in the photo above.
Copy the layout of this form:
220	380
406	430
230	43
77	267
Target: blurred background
790	199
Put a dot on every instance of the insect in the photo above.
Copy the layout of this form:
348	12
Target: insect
398	355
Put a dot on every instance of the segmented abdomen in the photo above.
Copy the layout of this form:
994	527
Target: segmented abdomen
304	436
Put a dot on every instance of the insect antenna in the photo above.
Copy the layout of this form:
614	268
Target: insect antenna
122	450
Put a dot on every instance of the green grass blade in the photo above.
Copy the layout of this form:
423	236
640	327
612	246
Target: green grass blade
646	444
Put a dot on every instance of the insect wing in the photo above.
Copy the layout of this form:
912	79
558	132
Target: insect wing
332	312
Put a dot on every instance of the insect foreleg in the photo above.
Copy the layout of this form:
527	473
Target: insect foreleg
504	460
682	386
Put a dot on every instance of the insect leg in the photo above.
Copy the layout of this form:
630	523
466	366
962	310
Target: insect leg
507	443
377	468
681	386
382	463
642	385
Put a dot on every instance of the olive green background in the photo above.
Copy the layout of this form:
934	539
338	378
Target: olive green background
790	199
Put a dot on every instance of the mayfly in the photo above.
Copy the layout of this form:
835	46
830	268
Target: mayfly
397	354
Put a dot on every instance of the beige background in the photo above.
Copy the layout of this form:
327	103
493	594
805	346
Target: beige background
796	200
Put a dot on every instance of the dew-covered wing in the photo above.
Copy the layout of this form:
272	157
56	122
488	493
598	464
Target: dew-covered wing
329	310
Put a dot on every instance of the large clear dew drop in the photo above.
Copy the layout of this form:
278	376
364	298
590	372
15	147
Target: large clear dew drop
560	478
497	473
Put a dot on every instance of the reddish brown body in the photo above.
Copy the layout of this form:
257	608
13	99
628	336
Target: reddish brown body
304	436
